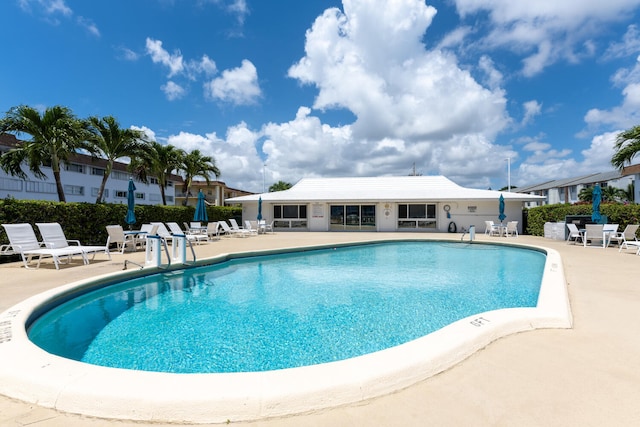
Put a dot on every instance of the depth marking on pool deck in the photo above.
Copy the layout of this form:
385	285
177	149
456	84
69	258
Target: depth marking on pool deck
5	326
479	321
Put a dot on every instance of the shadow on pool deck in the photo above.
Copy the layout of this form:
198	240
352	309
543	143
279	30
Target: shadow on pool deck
585	376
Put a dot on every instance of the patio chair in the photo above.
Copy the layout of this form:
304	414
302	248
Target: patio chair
213	230
609	230
266	228
626	237
228	231
121	240
594	233
248	226
146	230
491	229
163	232
574	234
174	228
512	229
53	237
23	241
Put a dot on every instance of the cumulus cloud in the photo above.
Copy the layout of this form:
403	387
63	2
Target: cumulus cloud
173	90
173	61
544	31
238	86
531	110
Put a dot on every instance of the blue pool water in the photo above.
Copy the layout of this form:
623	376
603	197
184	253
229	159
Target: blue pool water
297	309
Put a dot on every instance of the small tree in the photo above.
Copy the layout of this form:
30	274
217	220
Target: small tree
279	186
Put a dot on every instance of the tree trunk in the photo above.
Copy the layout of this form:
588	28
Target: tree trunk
56	176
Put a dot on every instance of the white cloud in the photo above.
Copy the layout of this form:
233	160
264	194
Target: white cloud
89	25
173	90
546	163
630	44
238	86
531	110
159	55
545	31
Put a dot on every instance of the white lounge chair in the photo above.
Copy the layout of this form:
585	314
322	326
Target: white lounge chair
574	234
23	240
53	237
231	232
252	230
198	237
121	240
146	230
594	233
609	231
627	237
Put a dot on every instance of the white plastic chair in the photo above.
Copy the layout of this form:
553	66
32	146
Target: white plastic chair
626	237
574	234
512	229
121	240
594	233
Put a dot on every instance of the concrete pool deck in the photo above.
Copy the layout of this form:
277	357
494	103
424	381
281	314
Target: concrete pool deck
587	375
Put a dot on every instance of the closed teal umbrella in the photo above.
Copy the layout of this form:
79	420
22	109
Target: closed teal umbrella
595	207
501	216
201	209
260	208
131	203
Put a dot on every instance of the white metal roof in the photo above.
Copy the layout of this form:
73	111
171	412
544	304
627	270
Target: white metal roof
378	189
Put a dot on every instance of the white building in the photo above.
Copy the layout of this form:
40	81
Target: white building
566	190
407	203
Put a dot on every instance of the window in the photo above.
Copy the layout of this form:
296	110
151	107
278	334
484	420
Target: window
40	187
154	180
119	194
74	190
290	216
120	175
352	217
10	184
94	192
75	167
140	196
418	215
97	171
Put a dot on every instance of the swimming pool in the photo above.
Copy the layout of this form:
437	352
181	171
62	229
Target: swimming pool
31	374
289	310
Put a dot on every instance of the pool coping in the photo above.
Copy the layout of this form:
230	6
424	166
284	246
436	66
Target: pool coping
30	374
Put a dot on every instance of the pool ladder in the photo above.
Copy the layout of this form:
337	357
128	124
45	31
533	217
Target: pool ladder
472	233
154	255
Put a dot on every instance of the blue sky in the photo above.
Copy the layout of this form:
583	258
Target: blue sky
342	88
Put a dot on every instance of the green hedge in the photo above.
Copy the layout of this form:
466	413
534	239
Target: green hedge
616	213
87	221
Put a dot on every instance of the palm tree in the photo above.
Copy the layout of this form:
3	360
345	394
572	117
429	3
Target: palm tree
613	194
159	161
586	194
279	186
195	164
112	142
55	135
627	147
